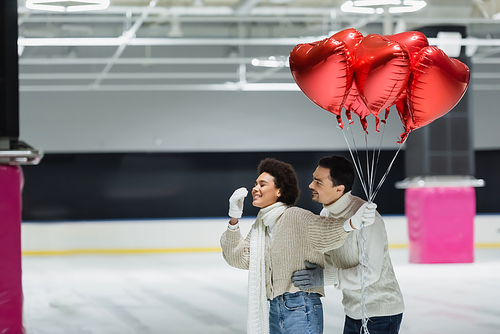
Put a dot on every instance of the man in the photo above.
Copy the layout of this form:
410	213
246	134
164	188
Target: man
331	186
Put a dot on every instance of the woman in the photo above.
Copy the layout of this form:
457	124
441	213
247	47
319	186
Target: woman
276	246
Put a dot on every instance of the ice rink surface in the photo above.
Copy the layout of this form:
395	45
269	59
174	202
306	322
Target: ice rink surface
188	293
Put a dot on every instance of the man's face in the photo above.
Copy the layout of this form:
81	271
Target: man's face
322	189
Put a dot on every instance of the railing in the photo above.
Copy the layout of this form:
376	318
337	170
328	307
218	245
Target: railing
20	154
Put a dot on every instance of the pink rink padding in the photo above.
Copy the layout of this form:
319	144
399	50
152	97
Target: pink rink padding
441	224
11	293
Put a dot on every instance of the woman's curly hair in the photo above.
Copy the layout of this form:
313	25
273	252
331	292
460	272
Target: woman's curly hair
285	179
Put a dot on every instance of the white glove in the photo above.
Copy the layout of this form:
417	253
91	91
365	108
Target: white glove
236	202
366	214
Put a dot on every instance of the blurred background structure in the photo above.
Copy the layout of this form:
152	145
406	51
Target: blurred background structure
150	113
143	103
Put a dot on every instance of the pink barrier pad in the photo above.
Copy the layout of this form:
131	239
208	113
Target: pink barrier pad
441	224
11	293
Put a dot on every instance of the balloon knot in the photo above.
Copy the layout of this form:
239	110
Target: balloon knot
377	123
339	119
403	137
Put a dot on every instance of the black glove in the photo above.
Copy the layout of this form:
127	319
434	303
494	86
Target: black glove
312	277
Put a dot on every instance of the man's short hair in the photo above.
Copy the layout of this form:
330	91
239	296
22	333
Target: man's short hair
341	171
285	179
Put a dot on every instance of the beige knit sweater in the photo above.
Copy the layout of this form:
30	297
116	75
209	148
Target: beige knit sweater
288	249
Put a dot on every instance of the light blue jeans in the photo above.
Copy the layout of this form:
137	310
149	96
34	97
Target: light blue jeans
296	313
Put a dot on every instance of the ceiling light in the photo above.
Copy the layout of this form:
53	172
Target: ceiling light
272	61
71	41
379	6
67	5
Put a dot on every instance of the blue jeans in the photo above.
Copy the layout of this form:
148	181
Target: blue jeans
296	313
376	325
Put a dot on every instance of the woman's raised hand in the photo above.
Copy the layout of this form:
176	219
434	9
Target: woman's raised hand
236	202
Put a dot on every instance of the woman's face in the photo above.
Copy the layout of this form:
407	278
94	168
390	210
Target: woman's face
264	193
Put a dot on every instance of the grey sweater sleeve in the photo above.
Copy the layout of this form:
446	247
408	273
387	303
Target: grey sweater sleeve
235	249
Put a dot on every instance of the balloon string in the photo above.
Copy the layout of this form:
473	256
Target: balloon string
360	169
363	255
373	168
368	174
370	194
378	157
388	169
357	164
363	280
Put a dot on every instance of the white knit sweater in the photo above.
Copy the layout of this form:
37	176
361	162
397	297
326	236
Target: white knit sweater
343	268
287	250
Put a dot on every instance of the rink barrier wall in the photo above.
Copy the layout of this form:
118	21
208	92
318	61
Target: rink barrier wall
120	186
184	235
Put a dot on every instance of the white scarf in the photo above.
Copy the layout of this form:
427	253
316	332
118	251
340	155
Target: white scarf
258	306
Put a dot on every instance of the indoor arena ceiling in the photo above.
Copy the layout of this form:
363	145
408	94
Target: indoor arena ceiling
218	44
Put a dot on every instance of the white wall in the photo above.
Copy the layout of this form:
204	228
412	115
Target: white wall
184	235
205	122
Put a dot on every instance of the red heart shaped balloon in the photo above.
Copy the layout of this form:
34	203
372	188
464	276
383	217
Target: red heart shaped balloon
436	85
351	37
405	116
381	72
413	40
323	72
355	104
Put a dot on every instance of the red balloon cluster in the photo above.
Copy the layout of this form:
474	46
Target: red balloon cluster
367	75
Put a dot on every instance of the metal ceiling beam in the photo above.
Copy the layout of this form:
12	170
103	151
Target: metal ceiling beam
308	14
258	76
313	17
126	37
173	87
136	61
227	14
246	7
170	61
486	60
250	11
272	72
482	9
232	86
215	41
